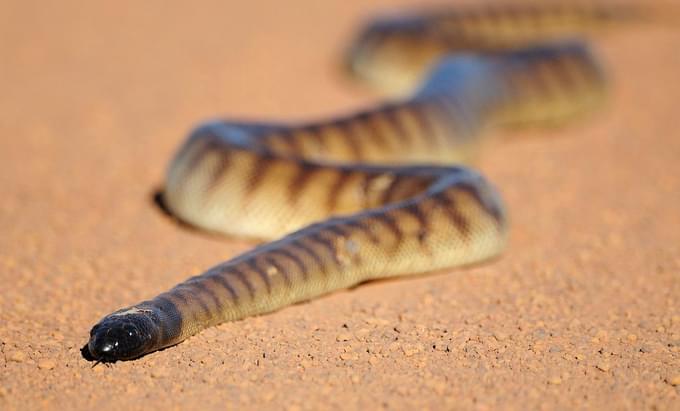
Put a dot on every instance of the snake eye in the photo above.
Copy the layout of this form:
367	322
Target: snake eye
121	337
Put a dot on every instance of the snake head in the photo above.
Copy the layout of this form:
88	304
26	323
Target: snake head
123	335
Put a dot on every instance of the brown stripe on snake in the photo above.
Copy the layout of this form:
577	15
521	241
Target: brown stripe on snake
223	283
391	224
558	70
403	187
372	221
204	288
197	294
220	169
380	128
587	75
312	253
490	206
278	268
366	230
299	263
305	173
443	122
252	264
343	177
243	278
423	223
426	129
397	127
317	136
389	191
450	209
327	244
567	75
350	138
189	297
370	139
166	312
260	168
290	139
542	77
197	150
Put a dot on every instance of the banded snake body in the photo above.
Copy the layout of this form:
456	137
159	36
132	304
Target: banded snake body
378	187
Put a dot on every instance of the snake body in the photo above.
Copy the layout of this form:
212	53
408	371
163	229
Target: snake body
360	211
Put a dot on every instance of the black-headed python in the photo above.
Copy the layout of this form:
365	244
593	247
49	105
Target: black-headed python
371	215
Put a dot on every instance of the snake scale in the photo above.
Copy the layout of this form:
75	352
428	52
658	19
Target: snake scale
379	193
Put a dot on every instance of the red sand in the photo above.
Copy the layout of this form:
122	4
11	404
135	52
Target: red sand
582	311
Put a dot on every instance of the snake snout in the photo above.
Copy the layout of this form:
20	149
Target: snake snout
121	337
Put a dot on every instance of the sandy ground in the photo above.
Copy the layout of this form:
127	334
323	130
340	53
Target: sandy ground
583	310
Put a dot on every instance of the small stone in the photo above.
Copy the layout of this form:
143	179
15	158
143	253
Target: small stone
410	350
17	356
348	356
46	364
603	366
500	336
647	349
305	364
555	381
373	360
632	337
674	380
376	321
394	346
343	337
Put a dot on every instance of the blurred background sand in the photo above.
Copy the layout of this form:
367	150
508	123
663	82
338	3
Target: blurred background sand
583	310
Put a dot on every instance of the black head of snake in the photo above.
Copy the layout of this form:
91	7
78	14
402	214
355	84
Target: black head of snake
123	336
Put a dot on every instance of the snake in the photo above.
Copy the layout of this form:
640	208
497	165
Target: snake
383	192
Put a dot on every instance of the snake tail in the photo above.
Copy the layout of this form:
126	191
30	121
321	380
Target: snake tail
394	52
